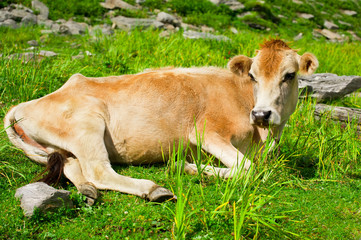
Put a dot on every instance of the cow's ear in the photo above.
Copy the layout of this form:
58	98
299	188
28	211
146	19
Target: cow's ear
240	65
308	64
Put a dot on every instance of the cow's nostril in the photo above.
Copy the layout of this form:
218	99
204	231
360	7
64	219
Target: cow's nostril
267	115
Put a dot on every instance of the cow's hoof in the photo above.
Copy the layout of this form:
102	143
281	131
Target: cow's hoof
161	194
90	192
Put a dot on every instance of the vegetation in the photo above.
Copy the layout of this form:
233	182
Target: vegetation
310	190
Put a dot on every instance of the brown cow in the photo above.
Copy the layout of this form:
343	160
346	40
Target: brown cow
90	123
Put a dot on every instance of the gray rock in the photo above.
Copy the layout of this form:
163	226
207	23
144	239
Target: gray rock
329	35
40	195
29	19
111	4
234	30
9	23
330	25
328	86
167	18
104	29
47	23
42	8
73	28
345	23
201	35
32	56
128	24
349	12
233	5
298	37
354	36
46	31
33	43
4	15
18	14
297	1
305	15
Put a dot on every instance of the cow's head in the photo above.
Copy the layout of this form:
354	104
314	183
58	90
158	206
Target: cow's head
274	74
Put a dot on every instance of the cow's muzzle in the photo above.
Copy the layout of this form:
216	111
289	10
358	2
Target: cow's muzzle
261	117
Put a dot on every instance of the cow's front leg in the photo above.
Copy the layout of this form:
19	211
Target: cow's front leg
223	150
89	148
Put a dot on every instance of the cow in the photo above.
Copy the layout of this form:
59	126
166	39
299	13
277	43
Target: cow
90	123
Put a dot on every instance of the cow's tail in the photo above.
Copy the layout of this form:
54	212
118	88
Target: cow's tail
54	161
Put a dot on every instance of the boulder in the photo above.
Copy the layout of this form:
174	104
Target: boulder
72	28
232	4
33	43
128	24
329	34
32	56
340	114
330	25
42	8
111	4
4	15
201	35
29	19
325	86
168	19
103	28
9	23
349	12
305	15
41	196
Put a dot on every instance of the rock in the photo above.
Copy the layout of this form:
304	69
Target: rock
32	56
234	30
18	14
201	35
298	37
187	26
139	1
9	23
73	28
103	28
33	43
349	12
128	24
328	86
330	25
167	18
329	34
47	23
164	34
207	29
111	4
232	4
42	8
4	15
29	19
242	15
46	31
42	196
344	23
341	114
256	25
297	1
305	15
354	36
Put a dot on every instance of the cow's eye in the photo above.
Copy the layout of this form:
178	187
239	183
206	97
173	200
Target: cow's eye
289	76
252	78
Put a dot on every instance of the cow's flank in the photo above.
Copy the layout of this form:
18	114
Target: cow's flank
90	123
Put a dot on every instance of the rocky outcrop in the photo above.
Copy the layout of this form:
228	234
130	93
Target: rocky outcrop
325	86
112	4
43	197
201	35
128	24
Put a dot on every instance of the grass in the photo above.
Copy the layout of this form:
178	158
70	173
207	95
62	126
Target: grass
311	190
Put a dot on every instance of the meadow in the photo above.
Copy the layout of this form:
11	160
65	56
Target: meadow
310	190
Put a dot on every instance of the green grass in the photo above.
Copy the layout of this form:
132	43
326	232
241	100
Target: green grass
311	189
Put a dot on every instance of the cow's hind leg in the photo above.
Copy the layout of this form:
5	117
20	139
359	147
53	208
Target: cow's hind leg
87	144
73	172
